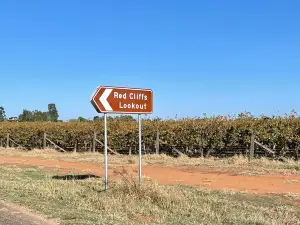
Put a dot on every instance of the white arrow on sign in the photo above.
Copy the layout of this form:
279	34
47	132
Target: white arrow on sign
103	99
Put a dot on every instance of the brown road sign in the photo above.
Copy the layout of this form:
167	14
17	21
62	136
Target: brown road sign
122	100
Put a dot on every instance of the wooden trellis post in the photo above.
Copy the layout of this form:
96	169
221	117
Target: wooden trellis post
75	146
202	153
157	143
7	141
94	141
85	145
45	141
251	154
130	150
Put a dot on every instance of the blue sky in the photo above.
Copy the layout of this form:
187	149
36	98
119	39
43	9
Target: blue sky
214	57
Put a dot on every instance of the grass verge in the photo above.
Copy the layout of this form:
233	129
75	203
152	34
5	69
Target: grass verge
83	201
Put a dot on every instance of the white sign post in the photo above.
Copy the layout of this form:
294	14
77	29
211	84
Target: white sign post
105	153
140	148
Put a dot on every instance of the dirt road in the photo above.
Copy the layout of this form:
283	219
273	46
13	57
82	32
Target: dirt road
210	180
15	215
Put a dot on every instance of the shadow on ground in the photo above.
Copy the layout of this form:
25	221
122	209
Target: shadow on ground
75	177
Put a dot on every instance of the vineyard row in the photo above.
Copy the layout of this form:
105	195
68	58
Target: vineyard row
192	136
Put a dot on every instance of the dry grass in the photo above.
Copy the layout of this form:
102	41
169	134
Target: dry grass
236	164
85	202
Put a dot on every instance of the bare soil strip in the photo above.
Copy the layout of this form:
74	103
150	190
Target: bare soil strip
211	180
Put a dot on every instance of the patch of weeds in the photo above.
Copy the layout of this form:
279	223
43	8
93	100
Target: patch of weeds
291	167
291	182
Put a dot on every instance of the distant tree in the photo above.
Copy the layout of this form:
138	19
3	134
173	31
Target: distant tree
52	113
128	118
245	115
33	116
26	116
96	118
81	119
2	114
125	118
39	116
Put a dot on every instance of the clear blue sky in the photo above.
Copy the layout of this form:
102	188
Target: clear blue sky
214	57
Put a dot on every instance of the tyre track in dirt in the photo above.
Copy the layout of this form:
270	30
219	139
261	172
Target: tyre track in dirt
262	184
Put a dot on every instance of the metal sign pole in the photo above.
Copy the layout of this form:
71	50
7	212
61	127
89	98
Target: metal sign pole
140	149
105	151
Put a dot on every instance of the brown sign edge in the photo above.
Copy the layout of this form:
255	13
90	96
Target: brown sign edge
92	99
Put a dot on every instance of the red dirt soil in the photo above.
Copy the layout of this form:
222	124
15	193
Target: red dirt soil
262	184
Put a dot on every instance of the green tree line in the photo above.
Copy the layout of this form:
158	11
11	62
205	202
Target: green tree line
33	115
